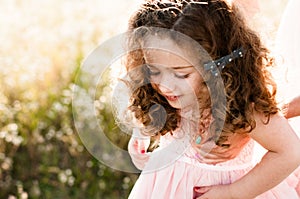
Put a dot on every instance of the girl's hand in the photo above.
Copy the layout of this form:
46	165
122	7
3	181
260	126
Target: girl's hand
137	148
213	192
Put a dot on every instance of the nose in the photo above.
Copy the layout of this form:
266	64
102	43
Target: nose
165	84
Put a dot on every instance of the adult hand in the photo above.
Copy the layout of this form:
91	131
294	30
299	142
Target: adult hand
248	7
291	108
212	192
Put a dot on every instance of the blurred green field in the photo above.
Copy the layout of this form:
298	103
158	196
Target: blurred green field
42	46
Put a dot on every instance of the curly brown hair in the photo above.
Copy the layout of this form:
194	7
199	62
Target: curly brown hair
220	30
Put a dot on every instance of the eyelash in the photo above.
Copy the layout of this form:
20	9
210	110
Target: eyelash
151	73
182	76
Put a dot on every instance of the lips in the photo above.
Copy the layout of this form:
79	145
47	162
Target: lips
171	97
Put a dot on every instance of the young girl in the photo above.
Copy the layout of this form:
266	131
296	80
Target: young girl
201	89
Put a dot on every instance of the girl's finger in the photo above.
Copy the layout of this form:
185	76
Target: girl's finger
141	147
138	146
141	142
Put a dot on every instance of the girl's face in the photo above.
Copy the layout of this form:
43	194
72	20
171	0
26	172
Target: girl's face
174	77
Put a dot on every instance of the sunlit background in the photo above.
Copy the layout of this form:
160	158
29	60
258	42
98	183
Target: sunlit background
42	44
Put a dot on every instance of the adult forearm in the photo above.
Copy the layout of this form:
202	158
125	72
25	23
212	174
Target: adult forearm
293	108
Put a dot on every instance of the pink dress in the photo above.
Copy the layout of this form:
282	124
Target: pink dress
172	172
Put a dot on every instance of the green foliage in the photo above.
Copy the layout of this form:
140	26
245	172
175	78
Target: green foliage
41	154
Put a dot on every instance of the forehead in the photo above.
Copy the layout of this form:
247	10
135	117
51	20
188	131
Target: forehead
166	52
163	58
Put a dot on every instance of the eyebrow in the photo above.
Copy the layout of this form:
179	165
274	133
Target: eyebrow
182	67
175	68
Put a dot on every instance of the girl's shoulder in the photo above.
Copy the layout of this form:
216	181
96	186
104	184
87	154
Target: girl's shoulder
263	122
274	133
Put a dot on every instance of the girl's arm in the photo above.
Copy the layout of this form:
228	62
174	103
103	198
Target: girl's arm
282	158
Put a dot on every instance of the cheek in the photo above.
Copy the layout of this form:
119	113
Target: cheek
155	86
197	85
154	80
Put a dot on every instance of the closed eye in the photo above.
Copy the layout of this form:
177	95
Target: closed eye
153	71
182	76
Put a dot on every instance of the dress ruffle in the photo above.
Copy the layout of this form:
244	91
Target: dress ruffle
176	181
